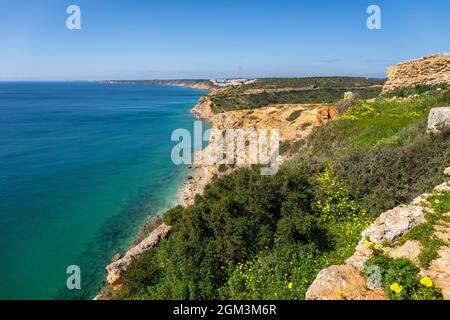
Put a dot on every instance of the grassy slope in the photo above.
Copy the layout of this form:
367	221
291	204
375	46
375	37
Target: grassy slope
255	237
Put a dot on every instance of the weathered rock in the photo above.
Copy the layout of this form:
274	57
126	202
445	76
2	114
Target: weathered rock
394	223
117	268
422	199
387	228
438	118
342	282
361	255
443	187
442	231
447	171
326	114
439	271
410	250
429	70
349	95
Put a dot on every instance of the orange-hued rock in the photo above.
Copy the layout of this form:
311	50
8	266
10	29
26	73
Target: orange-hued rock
326	114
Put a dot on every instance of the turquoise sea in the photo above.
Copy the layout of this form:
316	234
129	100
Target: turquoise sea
82	165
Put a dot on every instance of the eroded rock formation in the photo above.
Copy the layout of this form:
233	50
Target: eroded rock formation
429	70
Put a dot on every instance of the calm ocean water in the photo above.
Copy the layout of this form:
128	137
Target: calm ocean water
82	165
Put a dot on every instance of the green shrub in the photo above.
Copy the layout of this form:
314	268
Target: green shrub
400	278
294	115
223	167
419	89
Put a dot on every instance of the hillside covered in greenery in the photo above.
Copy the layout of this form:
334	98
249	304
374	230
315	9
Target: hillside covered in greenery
268	91
266	237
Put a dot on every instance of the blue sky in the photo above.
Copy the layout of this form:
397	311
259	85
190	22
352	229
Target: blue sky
148	39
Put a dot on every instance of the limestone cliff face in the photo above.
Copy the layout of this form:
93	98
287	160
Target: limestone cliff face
429	70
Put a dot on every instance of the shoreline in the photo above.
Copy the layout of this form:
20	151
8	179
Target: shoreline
199	175
197	178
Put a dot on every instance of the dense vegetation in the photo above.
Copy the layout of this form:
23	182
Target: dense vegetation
257	237
293	90
322	82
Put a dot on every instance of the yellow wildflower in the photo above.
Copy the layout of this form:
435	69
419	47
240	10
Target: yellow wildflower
426	281
377	247
367	244
290	285
396	287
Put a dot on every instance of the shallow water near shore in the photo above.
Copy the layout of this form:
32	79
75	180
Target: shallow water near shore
82	166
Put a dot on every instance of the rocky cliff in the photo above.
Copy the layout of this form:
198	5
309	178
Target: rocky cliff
429	70
294	121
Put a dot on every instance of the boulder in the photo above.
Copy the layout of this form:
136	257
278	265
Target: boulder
438	118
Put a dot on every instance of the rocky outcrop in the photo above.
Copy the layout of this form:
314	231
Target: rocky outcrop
202	109
409	250
429	70
326	114
345	281
447	172
439	271
342	283
387	228
118	267
438	119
